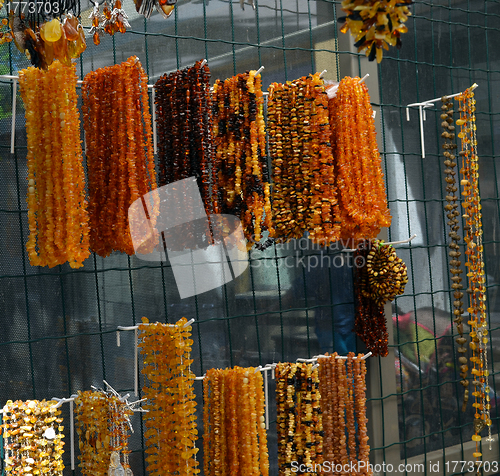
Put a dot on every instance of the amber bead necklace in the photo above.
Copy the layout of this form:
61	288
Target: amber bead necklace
235	439
304	196
32	438
170	423
299	419
57	209
379	276
475	265
102	427
184	121
116	110
452	213
343	408
240	153
358	166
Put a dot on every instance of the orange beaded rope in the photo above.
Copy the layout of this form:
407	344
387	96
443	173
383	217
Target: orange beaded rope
116	110
57	208
170	423
234	441
359	179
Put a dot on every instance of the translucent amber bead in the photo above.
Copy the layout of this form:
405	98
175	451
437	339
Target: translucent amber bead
51	31
476	437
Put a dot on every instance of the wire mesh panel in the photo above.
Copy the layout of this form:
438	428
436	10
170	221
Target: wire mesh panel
294	300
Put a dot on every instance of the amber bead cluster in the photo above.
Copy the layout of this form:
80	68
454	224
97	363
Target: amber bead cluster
170	423
57	209
379	276
32	438
343	407
61	38
474	252
304	195
299	419
184	125
234	439
452	203
240	159
102	427
359	178
119	152
375	25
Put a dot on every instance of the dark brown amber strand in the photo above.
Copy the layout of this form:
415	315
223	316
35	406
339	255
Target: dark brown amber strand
183	115
452	203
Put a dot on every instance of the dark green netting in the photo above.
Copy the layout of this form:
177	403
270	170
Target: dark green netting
58	326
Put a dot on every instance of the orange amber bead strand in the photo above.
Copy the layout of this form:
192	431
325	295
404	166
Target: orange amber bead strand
360	404
170	425
475	265
121	174
350	419
360	181
58	222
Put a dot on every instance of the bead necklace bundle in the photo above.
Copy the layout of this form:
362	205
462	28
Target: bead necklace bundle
452	213
359	180
235	440
32	437
379	276
171	423
304	195
183	116
475	264
240	156
343	408
299	419
101	424
116	111
376	25
57	209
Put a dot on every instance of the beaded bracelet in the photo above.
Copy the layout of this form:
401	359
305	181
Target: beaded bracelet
32	436
170	423
57	209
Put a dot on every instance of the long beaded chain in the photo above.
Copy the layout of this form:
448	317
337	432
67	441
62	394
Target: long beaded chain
116	111
299	419
32	438
184	121
240	152
475	265
57	209
358	165
304	194
452	213
235	440
170	423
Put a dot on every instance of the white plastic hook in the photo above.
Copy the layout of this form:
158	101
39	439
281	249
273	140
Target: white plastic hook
421	113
